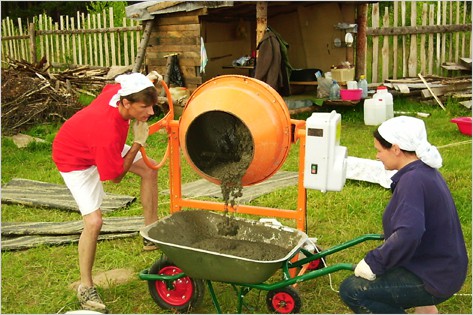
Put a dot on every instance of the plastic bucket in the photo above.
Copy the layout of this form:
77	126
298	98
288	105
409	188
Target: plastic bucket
232	118
463	124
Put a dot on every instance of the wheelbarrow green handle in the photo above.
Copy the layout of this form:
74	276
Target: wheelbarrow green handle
145	275
311	257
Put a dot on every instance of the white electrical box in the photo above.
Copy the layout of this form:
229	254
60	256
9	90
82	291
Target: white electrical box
325	165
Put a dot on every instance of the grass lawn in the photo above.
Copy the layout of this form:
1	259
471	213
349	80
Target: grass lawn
37	280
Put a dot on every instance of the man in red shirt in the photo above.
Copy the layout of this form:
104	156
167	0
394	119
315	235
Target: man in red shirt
90	148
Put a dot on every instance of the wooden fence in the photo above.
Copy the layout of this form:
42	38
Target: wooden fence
399	46
87	39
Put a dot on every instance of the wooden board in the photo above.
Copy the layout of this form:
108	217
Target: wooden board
340	103
443	89
454	66
40	194
204	188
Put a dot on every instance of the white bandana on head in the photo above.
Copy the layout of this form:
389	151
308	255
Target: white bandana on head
130	83
410	135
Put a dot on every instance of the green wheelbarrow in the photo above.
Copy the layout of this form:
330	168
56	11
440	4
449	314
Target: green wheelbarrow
246	260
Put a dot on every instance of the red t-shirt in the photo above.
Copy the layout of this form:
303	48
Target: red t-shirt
95	135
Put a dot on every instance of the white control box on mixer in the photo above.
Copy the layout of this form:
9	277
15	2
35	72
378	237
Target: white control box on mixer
325	163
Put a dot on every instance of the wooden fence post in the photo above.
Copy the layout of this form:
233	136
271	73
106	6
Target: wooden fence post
32	32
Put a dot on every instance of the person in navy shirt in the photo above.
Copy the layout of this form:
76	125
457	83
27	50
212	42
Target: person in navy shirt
423	260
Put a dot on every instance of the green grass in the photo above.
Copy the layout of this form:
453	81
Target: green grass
37	280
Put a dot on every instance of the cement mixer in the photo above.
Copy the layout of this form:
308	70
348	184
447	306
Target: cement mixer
234	120
239	123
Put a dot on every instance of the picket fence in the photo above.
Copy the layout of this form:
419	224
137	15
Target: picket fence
396	47
87	39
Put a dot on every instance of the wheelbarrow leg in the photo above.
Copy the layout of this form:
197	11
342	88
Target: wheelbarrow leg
241	294
213	296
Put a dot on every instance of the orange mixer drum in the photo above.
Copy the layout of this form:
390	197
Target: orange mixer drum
235	120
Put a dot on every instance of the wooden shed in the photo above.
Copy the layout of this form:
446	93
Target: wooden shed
314	30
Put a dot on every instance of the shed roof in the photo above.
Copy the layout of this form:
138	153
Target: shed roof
220	10
147	9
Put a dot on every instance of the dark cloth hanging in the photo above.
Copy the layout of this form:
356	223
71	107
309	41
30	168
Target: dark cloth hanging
272	65
175	75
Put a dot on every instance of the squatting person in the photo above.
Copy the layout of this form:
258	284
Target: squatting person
423	260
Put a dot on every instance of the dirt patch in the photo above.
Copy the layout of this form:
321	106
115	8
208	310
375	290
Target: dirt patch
109	278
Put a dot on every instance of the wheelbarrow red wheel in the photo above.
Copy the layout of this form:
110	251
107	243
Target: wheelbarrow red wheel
317	263
284	301
181	295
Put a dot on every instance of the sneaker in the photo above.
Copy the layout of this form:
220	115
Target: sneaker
148	245
90	300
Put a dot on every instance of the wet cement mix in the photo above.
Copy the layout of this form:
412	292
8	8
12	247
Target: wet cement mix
222	147
199	229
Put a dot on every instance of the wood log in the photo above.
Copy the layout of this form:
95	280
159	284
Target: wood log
143	44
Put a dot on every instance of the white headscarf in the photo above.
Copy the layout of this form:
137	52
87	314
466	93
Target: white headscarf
130	83
409	134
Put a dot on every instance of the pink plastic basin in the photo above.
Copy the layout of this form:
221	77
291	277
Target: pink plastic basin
464	124
351	95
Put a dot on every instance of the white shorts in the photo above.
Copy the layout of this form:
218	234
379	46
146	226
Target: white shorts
86	187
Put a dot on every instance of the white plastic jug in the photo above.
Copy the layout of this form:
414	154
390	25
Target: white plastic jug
374	110
382	93
352	85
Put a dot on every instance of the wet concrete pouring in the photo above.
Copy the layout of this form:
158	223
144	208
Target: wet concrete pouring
227	159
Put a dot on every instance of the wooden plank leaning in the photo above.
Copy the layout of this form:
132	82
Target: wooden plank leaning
431	92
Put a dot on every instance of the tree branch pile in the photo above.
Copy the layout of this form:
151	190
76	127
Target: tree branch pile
31	95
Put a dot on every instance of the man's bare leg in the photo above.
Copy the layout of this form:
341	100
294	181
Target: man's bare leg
88	246
148	190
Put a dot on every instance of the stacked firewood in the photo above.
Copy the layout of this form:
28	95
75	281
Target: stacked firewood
31	94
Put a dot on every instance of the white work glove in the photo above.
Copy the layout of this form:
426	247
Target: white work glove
140	132
154	76
363	270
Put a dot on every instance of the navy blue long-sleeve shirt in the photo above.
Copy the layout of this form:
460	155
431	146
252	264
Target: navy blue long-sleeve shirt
422	231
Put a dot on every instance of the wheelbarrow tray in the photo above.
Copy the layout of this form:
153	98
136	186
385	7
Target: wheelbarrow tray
177	236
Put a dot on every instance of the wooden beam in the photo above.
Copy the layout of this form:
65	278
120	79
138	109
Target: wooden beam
362	10
261	20
430	90
418	29
143	44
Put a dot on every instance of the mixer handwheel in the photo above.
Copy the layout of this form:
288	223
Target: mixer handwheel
284	301
181	295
